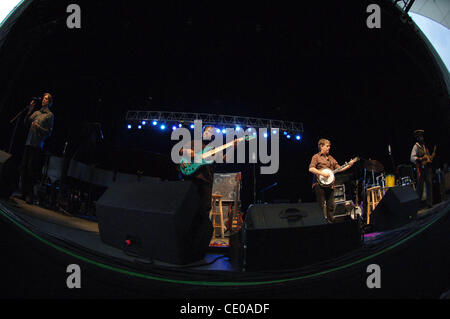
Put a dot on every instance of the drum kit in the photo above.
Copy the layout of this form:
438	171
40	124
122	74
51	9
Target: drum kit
385	181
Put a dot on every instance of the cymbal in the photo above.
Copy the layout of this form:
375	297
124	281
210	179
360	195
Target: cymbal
374	165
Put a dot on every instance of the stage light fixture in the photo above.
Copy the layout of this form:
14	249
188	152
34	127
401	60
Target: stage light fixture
224	131
129	126
265	135
238	128
274	132
180	125
139	127
217	130
163	127
144	122
285	133
174	128
192	126
288	136
298	137
155	123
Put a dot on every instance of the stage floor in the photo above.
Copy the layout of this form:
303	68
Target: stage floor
82	232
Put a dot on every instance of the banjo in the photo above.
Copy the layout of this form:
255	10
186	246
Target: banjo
326	182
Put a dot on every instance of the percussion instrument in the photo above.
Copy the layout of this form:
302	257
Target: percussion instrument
390	181
374	166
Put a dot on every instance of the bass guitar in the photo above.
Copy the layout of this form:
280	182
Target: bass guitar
205	156
327	182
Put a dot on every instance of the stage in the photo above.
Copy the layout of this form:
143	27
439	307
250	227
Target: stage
55	240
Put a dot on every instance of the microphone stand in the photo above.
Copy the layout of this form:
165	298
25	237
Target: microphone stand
15	118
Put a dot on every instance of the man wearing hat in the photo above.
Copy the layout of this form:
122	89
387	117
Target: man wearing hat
422	158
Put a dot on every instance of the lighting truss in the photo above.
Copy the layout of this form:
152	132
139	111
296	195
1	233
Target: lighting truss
213	119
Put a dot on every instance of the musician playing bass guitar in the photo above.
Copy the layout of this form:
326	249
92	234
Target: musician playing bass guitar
422	158
325	194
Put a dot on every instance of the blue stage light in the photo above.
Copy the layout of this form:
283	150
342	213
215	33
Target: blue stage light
129	126
298	137
274	132
238	128
192	126
217	130
249	129
285	133
155	123
180	125
139	127
144	122
288	136
174	128
265	135
224	131
163	127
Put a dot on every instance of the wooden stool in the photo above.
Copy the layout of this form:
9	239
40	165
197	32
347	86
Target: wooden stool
374	196
217	199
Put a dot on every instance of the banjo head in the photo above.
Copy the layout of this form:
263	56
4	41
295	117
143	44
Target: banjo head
329	180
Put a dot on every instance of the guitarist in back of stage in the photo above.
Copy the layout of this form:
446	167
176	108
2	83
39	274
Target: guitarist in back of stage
324	195
203	179
422	158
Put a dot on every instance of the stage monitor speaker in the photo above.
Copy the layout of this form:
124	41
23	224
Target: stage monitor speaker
9	174
155	219
398	207
288	236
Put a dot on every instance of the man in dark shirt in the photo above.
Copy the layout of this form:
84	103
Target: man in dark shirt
40	125
324	195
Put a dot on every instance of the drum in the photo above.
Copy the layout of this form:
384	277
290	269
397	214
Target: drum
390	181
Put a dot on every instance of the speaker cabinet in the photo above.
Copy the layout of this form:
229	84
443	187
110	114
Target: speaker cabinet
9	174
288	236
155	219
398	207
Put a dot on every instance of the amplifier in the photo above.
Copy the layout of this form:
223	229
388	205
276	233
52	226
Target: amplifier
339	193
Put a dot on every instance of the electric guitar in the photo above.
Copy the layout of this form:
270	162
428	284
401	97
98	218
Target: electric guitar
327	182
427	158
205	156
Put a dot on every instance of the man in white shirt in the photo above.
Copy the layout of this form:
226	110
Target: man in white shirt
421	157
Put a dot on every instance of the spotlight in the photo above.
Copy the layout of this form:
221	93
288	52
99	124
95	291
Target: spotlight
274	132
192	126
285	133
180	125
163	127
265	135
144	122
288	136
217	130
249	129
155	123
238	128
174	128
224	131
139	127
129	126
298	137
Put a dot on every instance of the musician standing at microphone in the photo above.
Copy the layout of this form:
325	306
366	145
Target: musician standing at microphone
420	156
325	195
40	125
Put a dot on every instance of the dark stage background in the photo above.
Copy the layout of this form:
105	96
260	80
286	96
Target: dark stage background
310	62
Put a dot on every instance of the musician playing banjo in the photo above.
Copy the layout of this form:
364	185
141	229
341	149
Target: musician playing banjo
319	162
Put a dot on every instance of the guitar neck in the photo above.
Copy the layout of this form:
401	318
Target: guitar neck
220	148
